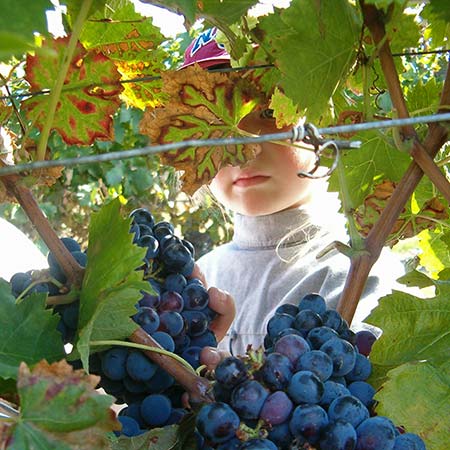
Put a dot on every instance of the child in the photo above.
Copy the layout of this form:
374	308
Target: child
271	259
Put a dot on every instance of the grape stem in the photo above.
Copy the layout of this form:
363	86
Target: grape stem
198	388
73	271
362	263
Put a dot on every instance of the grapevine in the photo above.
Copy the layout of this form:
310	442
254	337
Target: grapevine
122	310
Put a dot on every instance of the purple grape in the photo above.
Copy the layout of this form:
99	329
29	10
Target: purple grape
196	323
338	435
331	319
130	427
147	318
308	421
114	363
342	353
195	297
348	408
363	391
231	371
313	301
171	322
364	341
317	362
409	441
306	320
258	444
292	346
156	409
318	336
217	422
139	367
277	408
331	391
278	323
305	387
171	301
375	433
361	370
276	371
248	398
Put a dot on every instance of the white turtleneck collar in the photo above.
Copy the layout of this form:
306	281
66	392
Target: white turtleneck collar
291	227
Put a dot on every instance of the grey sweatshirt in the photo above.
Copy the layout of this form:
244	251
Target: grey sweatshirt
271	260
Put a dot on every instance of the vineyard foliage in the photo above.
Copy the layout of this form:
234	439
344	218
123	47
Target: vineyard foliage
112	84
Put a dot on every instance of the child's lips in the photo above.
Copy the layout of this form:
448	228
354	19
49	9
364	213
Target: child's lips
252	180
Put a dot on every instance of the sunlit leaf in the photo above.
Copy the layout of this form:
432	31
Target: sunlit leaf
134	43
89	99
202	105
325	36
416	397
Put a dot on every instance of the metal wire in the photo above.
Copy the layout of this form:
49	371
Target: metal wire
291	135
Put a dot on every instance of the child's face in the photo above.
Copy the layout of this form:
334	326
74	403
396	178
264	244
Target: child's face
268	183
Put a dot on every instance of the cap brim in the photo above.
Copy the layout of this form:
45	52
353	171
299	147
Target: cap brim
207	62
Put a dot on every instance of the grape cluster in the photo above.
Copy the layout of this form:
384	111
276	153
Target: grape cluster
176	314
307	389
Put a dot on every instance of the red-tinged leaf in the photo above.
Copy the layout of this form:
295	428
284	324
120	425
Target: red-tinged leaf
89	99
202	105
60	409
134	43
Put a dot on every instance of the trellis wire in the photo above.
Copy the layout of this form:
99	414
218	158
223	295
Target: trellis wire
297	133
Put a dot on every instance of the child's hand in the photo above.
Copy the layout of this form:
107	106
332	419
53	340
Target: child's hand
223	304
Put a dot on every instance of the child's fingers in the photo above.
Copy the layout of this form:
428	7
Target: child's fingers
197	273
223	304
211	356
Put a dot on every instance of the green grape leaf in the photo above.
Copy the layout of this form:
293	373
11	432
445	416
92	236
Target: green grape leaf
416	396
27	332
60	409
377	159
202	105
89	99
325	35
134	43
111	285
437	16
22	18
435	250
284	111
414	329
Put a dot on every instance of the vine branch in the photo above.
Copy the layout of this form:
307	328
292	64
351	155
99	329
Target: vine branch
361	264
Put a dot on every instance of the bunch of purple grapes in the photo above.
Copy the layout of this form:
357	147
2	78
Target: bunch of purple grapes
308	389
176	314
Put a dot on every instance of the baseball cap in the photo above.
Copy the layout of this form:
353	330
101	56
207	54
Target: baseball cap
205	51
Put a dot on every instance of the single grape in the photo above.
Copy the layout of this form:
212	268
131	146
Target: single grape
171	322
165	340
318	336
287	308
195	297
156	409
364	341
305	387
195	322
175	282
306	320
292	346
331	319
139	367
317	362
248	398
281	436
363	391
160	381
375	433
217	422
331	391
348	408
231	371
130	427
409	441
338	435
342	353
361	370
147	318
313	301
114	363
142	215
308	421
277	408
207	339
171	301
192	356
276	371
277	323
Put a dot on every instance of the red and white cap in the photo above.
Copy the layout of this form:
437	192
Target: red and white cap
205	51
